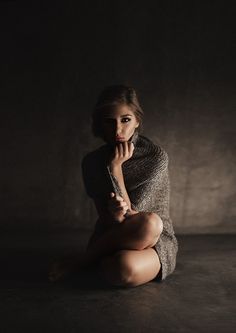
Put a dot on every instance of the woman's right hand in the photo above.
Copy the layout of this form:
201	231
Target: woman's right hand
117	207
123	151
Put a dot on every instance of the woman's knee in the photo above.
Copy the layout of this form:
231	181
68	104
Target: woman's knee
151	225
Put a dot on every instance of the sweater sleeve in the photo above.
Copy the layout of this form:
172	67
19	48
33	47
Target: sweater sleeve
95	177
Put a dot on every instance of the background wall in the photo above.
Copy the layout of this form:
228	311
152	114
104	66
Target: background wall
55	61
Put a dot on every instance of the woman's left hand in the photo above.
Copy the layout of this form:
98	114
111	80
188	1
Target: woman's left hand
123	152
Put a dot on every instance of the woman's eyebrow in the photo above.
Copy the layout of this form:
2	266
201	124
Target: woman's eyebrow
123	115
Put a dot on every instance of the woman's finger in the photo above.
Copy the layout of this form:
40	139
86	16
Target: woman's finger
124	208
116	151
115	197
121	150
118	198
126	149
121	204
131	148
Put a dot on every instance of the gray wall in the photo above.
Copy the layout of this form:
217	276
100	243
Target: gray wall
179	57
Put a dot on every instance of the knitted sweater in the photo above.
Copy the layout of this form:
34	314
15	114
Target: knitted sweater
147	183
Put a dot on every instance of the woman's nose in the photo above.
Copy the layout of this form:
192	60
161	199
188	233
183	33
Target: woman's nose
118	129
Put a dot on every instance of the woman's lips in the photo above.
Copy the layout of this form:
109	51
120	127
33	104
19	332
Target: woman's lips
119	139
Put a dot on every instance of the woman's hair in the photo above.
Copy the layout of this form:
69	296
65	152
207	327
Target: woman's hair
111	97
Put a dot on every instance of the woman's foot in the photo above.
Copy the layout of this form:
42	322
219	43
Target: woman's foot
61	269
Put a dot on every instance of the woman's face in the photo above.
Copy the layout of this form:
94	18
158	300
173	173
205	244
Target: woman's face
119	124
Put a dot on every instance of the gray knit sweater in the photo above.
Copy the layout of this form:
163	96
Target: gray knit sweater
147	183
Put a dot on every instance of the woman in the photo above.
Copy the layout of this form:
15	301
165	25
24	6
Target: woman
133	241
130	249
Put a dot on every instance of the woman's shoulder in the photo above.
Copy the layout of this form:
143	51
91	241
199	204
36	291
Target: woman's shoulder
156	147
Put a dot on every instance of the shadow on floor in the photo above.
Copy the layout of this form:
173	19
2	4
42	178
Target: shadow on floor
198	297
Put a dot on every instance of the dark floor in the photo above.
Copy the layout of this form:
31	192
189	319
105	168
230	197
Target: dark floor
198	297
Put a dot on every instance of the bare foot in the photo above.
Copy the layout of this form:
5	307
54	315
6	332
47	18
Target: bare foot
62	268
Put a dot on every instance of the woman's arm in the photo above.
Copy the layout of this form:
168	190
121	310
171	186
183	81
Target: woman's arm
116	171
112	211
123	152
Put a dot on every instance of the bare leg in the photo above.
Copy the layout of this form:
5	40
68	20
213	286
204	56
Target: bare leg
136	232
130	268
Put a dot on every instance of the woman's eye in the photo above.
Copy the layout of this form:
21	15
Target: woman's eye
110	121
126	120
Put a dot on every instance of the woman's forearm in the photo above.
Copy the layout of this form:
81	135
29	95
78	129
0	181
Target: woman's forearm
116	170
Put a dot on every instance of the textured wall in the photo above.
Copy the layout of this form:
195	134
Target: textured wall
179	57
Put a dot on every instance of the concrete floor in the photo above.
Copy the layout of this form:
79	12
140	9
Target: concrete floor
198	297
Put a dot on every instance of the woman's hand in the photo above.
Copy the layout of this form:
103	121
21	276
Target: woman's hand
123	152
117	207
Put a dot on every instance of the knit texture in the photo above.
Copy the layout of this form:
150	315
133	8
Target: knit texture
147	183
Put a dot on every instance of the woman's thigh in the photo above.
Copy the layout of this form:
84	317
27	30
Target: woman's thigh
130	267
